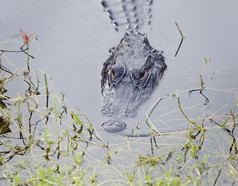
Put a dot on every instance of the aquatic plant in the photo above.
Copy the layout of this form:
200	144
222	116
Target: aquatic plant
44	140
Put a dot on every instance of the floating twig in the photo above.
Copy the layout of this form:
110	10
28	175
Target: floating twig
24	50
148	122
202	82
47	99
181	39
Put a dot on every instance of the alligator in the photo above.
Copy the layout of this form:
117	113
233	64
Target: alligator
133	69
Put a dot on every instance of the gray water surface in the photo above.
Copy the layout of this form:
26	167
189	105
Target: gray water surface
75	36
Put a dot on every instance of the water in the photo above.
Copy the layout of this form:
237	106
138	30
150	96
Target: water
74	38
73	49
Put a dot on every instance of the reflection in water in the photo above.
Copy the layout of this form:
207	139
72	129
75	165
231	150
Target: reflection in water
133	69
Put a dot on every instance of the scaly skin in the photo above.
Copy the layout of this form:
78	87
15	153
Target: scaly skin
128	15
129	76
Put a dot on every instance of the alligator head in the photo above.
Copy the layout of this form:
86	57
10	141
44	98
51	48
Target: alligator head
130	75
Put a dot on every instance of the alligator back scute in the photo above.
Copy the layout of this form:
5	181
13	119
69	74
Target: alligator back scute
128	15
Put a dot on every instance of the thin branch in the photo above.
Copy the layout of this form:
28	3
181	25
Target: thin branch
181	39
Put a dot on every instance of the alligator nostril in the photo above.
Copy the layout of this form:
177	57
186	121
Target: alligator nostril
114	126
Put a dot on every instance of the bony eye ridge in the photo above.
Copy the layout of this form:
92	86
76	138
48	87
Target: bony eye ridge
117	72
113	74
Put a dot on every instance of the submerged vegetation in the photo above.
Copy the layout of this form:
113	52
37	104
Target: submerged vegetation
46	141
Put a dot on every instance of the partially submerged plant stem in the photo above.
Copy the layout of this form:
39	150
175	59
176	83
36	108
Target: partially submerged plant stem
190	121
181	39
202	82
180	108
47	99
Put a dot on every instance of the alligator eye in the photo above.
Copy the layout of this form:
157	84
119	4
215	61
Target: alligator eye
143	74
